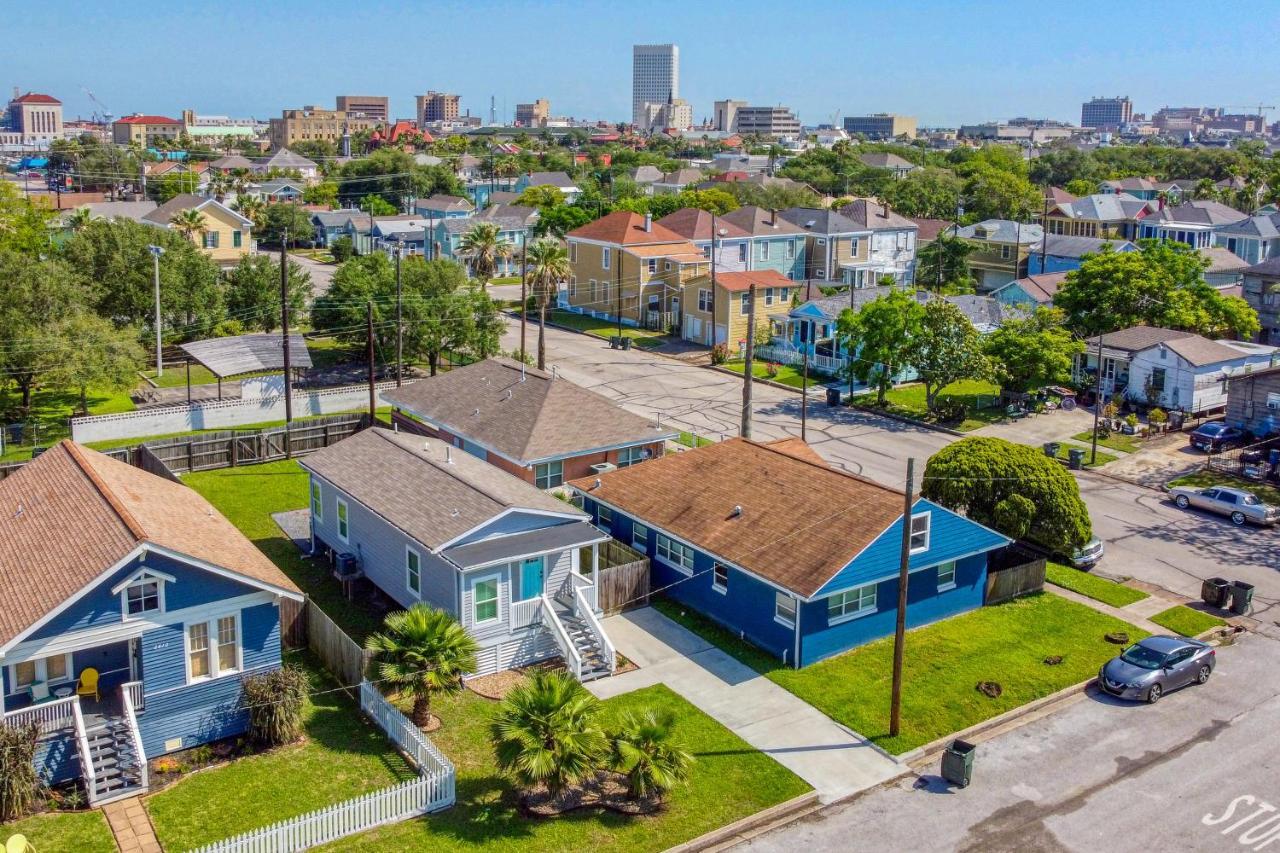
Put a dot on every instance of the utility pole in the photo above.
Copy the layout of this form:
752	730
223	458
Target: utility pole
747	367
399	323
284	342
804	396
156	252
373	403
900	630
713	280
1097	406
524	296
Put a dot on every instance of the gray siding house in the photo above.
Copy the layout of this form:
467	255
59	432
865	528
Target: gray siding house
429	523
1253	401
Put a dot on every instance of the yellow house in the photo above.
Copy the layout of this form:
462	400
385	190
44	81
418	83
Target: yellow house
144	130
733	305
225	237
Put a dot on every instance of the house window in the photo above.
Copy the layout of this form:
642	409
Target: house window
228	645
742	253
591	290
211	239
677	554
653	265
720	578
640	537
784	609
1157	378
213	648
768	296
791	250
548	475
198	649
236	239
745	304
605	515
706	253
317	502
606	255
604	293
413	570
484	600
47	671
56	668
764	250
573	253
919	533
947	576
628	456
142	597
853	245
344	527
704	300
851	603
1004	253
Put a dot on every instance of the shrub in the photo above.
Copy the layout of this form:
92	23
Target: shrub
423	650
1131	420
1157	417
275	701
19	784
547	732
644	752
771	369
342	249
951	411
719	354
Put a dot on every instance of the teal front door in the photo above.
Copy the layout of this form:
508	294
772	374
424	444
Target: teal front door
531	578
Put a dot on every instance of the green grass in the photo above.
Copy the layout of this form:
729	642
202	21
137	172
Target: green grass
505	279
787	374
909	401
1099	589
175	376
688	439
1116	441
1185	621
83	832
599	328
50	410
944	662
1205	478
730	781
342	757
1064	453
248	496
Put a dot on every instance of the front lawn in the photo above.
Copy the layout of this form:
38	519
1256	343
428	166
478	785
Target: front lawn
600	328
83	832
341	758
1099	589
47	421
1064	453
248	496
689	439
787	374
1205	478
1115	441
980	399
1185	621
944	661
730	780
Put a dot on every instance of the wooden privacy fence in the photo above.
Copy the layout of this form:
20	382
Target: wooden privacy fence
341	655
1015	572
229	448
124	454
433	790
624	577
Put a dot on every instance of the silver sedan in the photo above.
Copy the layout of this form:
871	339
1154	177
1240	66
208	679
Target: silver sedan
1237	504
1152	667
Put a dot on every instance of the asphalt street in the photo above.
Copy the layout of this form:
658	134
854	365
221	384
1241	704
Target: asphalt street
1146	536
1199	771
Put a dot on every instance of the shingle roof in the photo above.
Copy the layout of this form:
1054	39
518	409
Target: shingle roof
759	222
551	179
71	513
1269	267
695	224
1065	246
741	281
1041	288
523	213
645	174
440	201
692	495
251	353
1137	338
885	160
929	229
1199	212
875	216
332	218
1200	351
1004	231
1105	207
1221	260
668	250
1266	227
186	201
423	486
983	312
534	418
682	177
624	228
818	221
286	159
232	161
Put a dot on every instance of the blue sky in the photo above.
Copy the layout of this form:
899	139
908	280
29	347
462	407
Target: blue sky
944	62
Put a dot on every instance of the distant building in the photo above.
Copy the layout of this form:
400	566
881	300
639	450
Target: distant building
311	123
144	130
437	106
655	79
1106	113
726	115
535	114
34	119
881	126
676	114
767	121
370	106
213	128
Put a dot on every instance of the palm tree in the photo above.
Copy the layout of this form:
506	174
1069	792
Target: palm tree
643	751
219	186
250	208
547	732
189	223
423	650
548	265
79	219
484	246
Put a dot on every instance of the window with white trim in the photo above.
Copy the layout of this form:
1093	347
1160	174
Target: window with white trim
853	245
606	255
764	250
344	525
317	501
791	250
768	296
652	265
548	475
676	554
413	570
605	515
742	253
213	648
947	576
744	306
851	603
142	596
784	609
720	578
704	299
50	670
919	533
484	600
629	456
640	537
1005	253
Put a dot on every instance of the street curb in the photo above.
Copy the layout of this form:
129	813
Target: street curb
752	825
768	382
872	410
533	321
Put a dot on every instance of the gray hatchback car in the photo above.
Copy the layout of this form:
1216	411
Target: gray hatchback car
1152	667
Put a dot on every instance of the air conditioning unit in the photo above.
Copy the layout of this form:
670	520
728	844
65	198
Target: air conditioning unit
603	468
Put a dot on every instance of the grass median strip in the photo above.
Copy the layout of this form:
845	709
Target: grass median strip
1099	589
979	398
1185	621
601	328
1115	441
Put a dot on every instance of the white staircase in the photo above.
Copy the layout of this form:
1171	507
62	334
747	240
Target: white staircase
586	648
118	770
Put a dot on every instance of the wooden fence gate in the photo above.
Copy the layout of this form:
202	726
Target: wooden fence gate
624	577
1015	572
341	655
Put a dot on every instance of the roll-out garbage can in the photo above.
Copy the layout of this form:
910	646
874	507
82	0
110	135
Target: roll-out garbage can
1215	592
1241	597
833	396
957	763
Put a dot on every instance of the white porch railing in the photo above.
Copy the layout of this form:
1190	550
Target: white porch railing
126	700
525	613
136	695
787	355
50	716
587	588
572	659
82	749
585	610
433	790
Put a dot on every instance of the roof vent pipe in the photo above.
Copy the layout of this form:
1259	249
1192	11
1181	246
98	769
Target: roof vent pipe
522	367
737	511
648	222
448	454
597	483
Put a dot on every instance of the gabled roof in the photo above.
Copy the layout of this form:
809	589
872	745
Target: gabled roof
142	119
135	210
286	159
929	229
1136	338
462	225
551	179
186	201
682	177
1199	212
430	490
1003	231
35	98
439	201
336	218
72	513
1265	227
522	213
233	356
1041	288
1221	260
800	523
695	224
502	197
1199	351
875	216
1136	184
672	251
1057	195
818	221
759	222
1268	268
521	413
273	187
624	228
1105	207
645	174
885	160
741	281
232	161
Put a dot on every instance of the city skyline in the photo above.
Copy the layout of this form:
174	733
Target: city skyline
932	61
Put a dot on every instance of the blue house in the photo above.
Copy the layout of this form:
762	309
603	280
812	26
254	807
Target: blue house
1061	253
440	206
1030	292
110	571
514	230
795	556
776	244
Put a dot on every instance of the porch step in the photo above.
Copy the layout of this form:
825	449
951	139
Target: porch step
117	770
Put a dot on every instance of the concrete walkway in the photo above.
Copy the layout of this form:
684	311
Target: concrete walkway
131	826
831	758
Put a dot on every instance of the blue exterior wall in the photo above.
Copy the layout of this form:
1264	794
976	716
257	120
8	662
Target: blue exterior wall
1015	297
792	268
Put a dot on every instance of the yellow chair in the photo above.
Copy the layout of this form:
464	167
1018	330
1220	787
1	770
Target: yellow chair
18	844
87	685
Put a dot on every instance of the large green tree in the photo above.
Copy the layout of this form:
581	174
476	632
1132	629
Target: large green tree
1032	351
35	294
987	479
944	349
879	339
943	265
93	353
253	292
284	216
929	192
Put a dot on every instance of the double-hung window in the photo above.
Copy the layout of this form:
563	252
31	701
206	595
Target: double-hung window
606	255
653	265
851	603
344	525
704	299
1005	253
484	600
742	253
784	609
213	648
605	515
548	475
573	253
317	502
791	250
413	570
768	296
640	537
211	239
919	533
764	250
853	246
745	304
720	578
237	239
947	576
676	554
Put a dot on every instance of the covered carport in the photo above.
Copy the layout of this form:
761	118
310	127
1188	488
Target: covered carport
242	355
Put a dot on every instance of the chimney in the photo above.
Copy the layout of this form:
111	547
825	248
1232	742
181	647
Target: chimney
773	217
648	222
448	454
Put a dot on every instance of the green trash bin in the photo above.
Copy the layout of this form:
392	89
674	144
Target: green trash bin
1051	449
957	763
1075	458
1241	597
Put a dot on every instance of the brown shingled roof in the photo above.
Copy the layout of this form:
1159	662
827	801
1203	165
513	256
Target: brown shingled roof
625	228
801	521
72	513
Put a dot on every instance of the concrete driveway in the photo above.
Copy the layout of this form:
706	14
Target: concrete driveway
1037	429
831	758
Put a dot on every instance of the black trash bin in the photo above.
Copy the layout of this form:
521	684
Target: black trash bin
1075	458
1241	597
15	433
833	396
1215	592
1051	449
626	342
615	341
957	763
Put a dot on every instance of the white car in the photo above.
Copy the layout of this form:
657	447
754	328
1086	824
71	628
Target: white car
1237	504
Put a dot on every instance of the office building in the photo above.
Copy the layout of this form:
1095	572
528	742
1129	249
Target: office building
767	121
437	106
535	114
881	126
1106	113
726	113
145	130
313	123
34	119
655	78
369	106
676	114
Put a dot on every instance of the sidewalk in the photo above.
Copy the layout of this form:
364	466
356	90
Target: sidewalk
831	758
1127	614
131	826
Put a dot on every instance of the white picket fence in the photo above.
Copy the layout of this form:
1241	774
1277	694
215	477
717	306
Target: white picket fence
433	790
